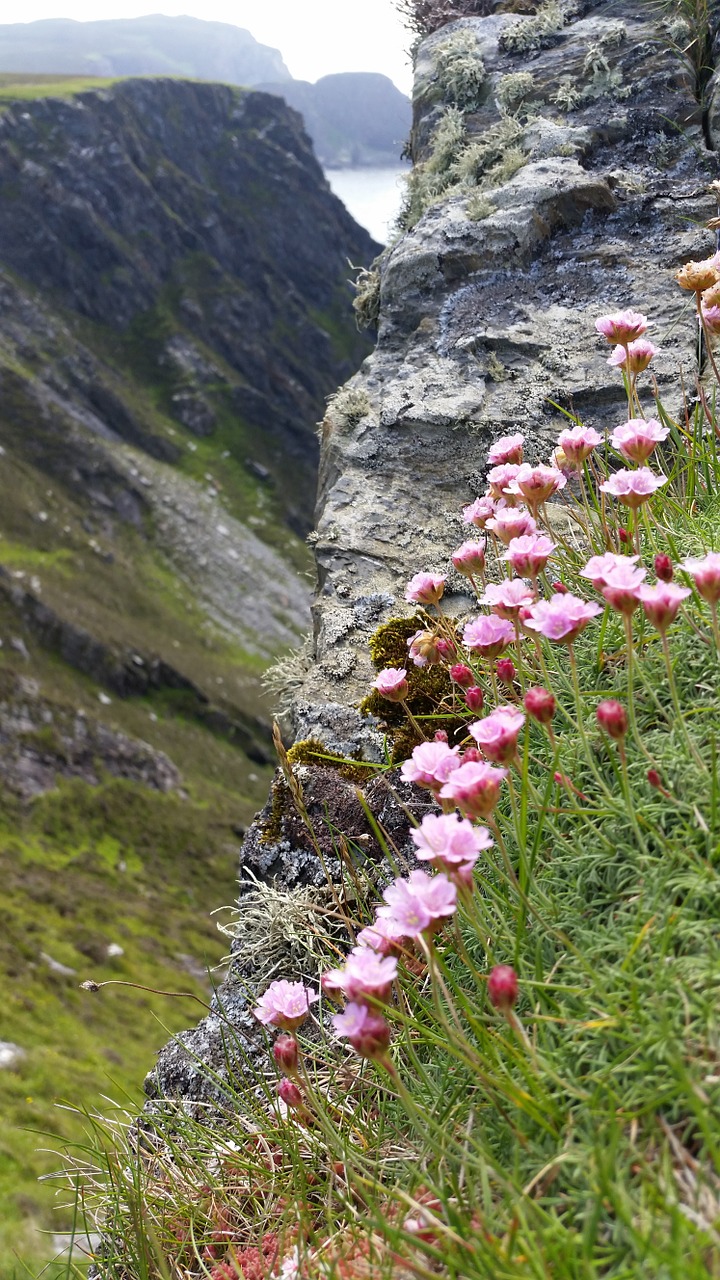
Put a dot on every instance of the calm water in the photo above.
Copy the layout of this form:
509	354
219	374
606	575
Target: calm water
373	196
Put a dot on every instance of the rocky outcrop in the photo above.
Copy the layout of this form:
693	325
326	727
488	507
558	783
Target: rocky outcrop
561	169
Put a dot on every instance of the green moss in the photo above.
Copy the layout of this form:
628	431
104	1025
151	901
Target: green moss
272	829
429	688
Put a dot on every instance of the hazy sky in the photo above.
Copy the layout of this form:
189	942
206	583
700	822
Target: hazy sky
315	37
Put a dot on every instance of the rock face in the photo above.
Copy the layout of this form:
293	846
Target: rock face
353	118
577	181
174	309
152	45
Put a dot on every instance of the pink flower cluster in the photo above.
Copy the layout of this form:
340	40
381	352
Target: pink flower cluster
285	1004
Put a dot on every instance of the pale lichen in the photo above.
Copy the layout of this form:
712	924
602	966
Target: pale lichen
461	74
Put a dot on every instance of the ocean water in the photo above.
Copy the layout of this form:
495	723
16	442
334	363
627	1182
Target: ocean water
372	196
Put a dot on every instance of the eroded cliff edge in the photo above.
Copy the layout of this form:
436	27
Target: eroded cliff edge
528	217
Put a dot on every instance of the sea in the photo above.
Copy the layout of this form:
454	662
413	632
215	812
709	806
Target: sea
372	195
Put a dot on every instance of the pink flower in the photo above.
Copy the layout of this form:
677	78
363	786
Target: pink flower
367	1031
474	788
562	617
290	1094
622	584
431	764
598	567
622	326
537	484
529	554
711	319
635	357
447	841
382	936
500	478
612	717
462	675
540	704
503	987
424	648
506	670
637	438
479	511
664	568
706	572
506	449
469	558
509	523
425	588
488	636
633	487
661	603
364	976
497	734
285	1004
419	904
577	443
474	698
506	598
392	684
285	1053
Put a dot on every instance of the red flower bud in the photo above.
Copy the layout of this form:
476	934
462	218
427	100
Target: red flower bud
474	698
472	756
559	588
540	704
440	735
462	675
664	568
505	668
285	1053
503	987
612	717
290	1094
445	648
623	534
654	778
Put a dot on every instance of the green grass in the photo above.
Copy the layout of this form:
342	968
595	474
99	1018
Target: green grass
27	87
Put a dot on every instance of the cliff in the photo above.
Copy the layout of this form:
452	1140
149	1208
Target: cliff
174	310
562	163
353	118
151	45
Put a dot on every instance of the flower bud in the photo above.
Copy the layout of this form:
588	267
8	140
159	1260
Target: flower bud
505	668
540	704
474	698
612	717
445	648
285	1053
654	778
290	1094
559	588
471	755
664	568
440	735
503	987
462	675
623	534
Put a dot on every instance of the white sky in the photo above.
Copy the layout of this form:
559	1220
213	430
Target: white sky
315	37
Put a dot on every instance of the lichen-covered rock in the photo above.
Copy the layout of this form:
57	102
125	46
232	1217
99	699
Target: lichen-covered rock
486	323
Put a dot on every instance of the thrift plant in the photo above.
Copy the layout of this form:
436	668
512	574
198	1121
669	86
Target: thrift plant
513	1072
